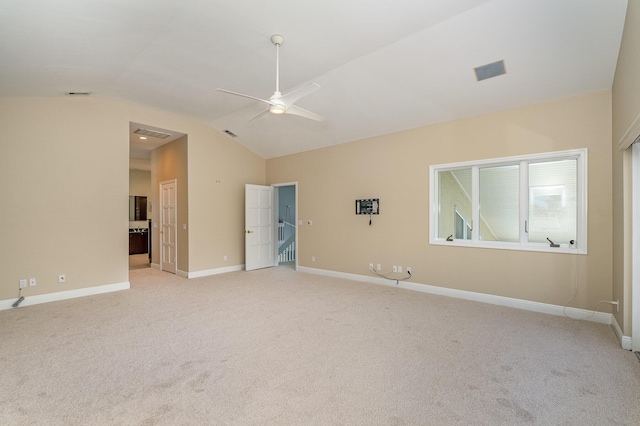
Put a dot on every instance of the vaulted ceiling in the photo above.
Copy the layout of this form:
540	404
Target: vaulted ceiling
382	66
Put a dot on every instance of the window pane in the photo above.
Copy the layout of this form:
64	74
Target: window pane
454	202
499	203
552	201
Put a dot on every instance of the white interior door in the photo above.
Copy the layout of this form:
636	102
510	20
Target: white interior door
168	230
259	227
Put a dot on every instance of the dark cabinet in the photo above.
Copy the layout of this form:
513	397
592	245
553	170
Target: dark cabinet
138	242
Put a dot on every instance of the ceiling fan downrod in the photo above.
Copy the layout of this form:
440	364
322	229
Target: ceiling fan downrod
277	40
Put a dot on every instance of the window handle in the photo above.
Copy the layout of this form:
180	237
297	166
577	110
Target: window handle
526	227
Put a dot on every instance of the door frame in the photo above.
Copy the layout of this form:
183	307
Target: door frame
175	229
635	247
277	214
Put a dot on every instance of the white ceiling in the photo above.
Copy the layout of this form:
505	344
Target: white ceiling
383	66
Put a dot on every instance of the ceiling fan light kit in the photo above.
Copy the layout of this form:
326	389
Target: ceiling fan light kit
279	103
277	109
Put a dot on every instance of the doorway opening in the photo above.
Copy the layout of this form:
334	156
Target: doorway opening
143	233
139	219
287	252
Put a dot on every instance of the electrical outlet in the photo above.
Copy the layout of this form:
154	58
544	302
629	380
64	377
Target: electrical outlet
371	266
379	267
409	270
225	257
395	268
313	258
23	283
32	282
61	278
399	268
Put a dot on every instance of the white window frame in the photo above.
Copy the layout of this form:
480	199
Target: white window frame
580	246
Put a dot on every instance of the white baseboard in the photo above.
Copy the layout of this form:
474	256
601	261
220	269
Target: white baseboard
625	341
204	273
64	295
216	271
545	308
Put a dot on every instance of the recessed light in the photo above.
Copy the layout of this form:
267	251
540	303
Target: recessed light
143	137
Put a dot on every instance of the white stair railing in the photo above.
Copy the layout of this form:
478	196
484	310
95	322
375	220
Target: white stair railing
288	254
286	232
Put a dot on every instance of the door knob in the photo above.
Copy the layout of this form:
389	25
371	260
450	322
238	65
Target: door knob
249	231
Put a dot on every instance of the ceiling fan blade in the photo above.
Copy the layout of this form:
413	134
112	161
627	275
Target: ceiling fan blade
291	97
258	115
245	96
296	110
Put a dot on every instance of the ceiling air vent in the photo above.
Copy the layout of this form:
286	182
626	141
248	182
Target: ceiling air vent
78	93
230	133
493	69
152	133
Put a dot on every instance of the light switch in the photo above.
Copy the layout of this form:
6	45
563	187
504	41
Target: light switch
184	226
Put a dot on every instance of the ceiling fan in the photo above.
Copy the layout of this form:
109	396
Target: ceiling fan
279	103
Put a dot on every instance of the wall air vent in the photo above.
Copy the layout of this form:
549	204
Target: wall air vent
78	93
230	133
152	133
491	70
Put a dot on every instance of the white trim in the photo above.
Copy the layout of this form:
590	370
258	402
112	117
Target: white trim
631	135
635	247
545	308
215	271
64	295
625	341
156	266
181	273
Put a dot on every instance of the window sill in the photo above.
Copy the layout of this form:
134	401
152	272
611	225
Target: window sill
496	245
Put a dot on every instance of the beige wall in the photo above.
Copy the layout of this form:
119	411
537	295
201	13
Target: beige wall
216	201
140	183
626	117
395	168
65	201
65	164
169	162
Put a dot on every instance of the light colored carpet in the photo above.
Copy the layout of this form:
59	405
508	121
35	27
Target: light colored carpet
281	347
139	261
